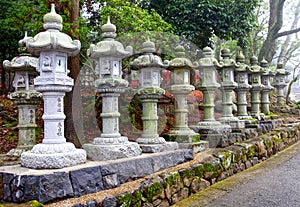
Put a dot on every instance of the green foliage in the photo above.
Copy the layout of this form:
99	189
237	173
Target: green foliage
198	21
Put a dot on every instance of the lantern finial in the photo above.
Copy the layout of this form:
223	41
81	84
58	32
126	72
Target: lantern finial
240	57
109	29
52	20
148	46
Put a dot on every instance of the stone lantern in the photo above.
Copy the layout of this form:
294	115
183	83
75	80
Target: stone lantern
24	96
53	48
108	55
181	68
210	129
149	67
281	81
241	77
266	81
227	86
255	81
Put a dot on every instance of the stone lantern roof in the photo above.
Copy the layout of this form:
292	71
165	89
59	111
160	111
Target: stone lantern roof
109	47
280	70
241	66
180	61
23	62
227	61
265	68
52	38
255	68
148	59
208	59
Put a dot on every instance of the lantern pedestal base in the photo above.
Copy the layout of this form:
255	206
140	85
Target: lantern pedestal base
19	150
195	146
153	148
233	122
53	160
186	139
214	132
112	152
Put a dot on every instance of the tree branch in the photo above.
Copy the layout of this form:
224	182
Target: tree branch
281	34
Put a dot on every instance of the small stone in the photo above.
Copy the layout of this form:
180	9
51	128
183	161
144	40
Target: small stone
110	201
248	164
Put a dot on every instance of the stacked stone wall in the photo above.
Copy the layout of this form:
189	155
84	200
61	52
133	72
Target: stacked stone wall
171	187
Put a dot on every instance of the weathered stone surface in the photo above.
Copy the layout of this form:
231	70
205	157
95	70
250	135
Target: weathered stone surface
7	179
198	184
144	167
127	171
55	186
53	160
112	152
154	148
87	180
110	201
164	203
158	163
110	181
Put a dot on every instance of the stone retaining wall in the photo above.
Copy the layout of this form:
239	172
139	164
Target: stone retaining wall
169	188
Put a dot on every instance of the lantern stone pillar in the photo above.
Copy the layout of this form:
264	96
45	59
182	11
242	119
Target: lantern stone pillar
255	80
108	55
210	129
24	96
265	79
149	67
181	68
227	86
281	81
241	77
53	48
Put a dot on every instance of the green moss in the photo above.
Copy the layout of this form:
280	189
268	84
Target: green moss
152	190
171	178
137	196
188	172
226	159
196	138
251	151
125	200
198	170
208	167
34	203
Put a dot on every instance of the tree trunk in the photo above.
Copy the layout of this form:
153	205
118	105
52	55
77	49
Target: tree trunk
268	49
287	48
74	66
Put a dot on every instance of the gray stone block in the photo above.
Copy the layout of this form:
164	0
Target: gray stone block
109	169
110	181
110	201
143	167
127	171
55	186
7	181
158	163
87	180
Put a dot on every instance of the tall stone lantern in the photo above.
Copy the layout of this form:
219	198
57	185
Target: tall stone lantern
241	77
181	68
266	81
227	86
255	81
24	96
210	129
281	81
108	55
53	48
149	67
